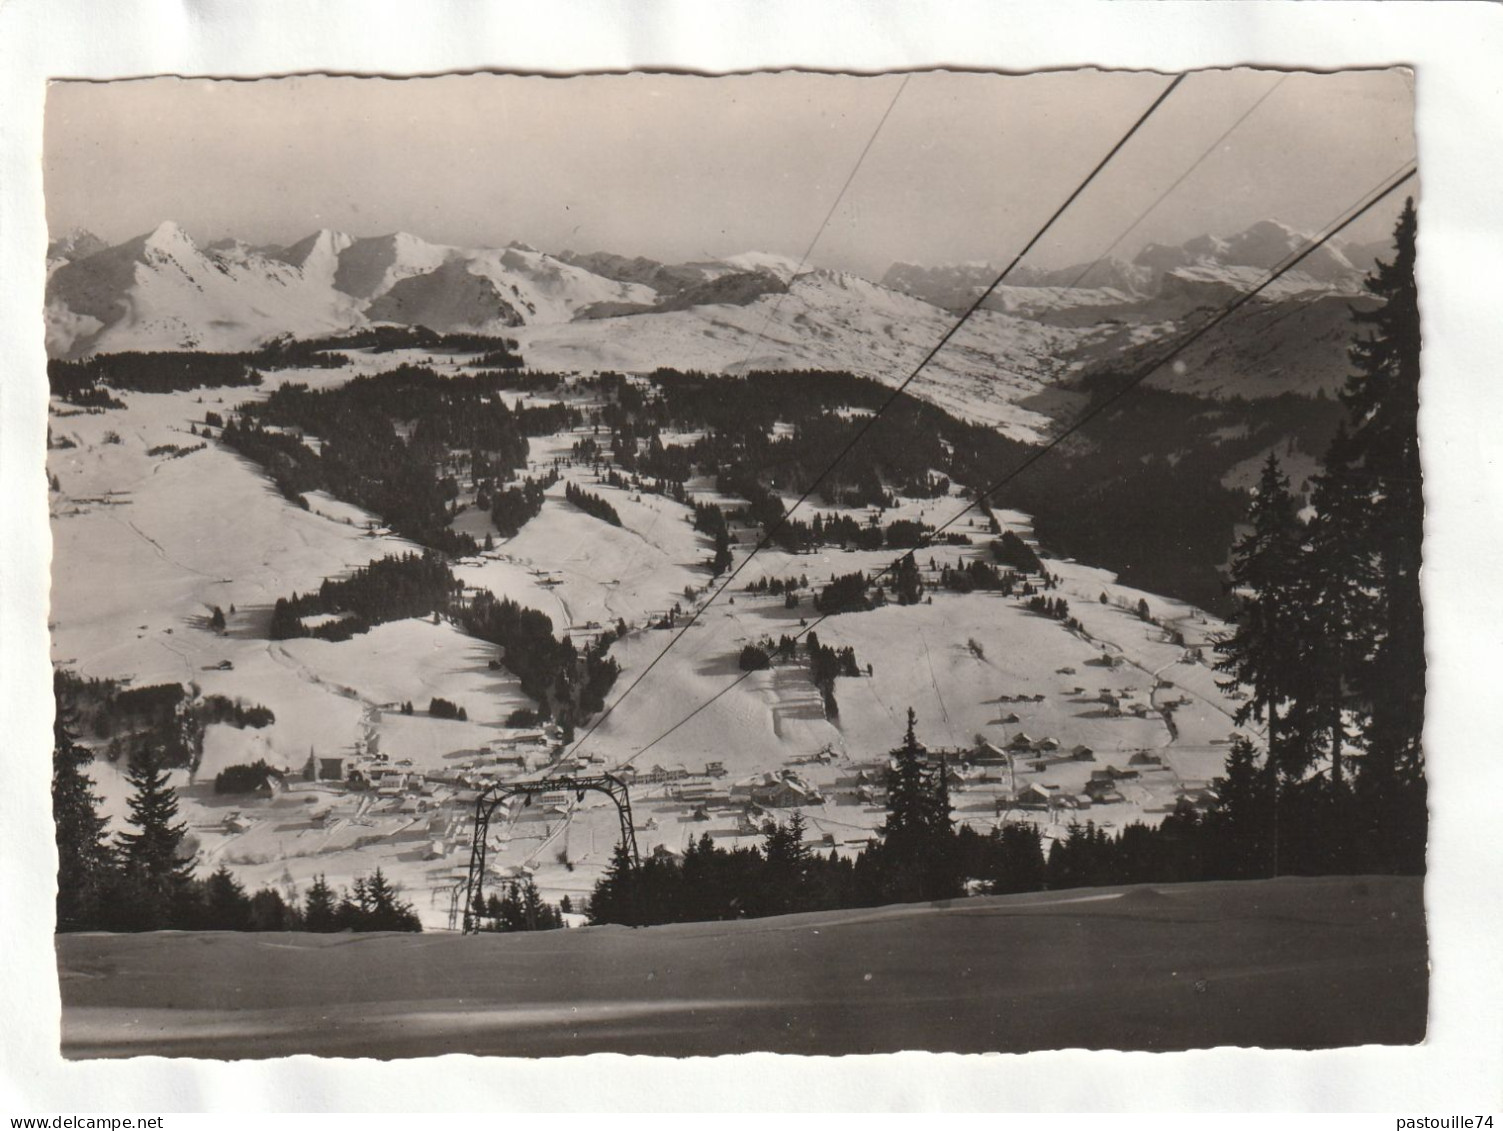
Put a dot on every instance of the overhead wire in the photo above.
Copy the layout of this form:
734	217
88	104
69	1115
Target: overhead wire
871	421
1161	197
1295	307
1181	179
825	223
1352	214
1287	264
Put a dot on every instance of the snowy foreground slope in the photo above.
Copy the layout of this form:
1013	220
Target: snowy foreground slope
146	546
1176	967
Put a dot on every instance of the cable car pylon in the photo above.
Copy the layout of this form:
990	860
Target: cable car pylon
491	798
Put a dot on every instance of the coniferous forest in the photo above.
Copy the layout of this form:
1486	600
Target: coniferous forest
920	855
567	684
387	443
1329	631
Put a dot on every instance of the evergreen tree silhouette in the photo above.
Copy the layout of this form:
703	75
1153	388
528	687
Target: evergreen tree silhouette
908	587
614	899
157	879
226	906
85	862
1261	654
1336	583
319	907
1382	399
917	858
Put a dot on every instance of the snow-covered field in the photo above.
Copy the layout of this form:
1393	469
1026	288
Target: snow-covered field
146	547
831	320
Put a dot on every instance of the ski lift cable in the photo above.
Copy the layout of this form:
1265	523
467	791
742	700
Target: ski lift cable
830	215
1181	179
1127	231
1352	214
871	421
1298	307
1184	343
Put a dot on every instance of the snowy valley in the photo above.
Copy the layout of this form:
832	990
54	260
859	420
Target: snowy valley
1115	717
1032	713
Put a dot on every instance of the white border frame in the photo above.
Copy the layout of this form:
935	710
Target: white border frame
1456	49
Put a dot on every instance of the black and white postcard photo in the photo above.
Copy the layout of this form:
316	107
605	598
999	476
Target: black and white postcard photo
488	516
688	562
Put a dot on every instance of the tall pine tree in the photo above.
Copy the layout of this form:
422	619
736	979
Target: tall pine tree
1355	681
917	858
1382	398
908	586
84	862
1246	825
1334	593
786	874
614	899
1365	638
319	907
226	906
158	881
1261	652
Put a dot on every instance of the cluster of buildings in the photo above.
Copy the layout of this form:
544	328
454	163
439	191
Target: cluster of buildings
706	790
380	775
1100	789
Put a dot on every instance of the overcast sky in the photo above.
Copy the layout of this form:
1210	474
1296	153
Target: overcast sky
674	167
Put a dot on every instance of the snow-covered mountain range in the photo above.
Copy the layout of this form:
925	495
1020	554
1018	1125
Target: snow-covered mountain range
162	291
1203	268
582	311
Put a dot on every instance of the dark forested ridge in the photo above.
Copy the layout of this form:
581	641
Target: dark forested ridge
167	719
388	338
170	372
390	588
1138	490
394	443
511	507
592	504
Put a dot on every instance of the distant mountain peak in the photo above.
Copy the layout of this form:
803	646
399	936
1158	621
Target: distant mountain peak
168	236
781	267
956	286
1273	226
1206	265
79	243
1264	245
324	241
